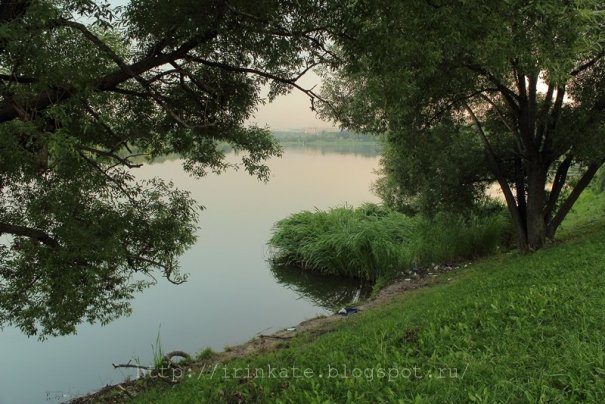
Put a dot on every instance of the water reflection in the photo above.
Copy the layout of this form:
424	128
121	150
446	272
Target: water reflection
327	291
231	294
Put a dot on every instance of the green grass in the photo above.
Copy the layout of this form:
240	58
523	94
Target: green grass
454	238
375	243
510	328
366	242
158	352
586	215
204	354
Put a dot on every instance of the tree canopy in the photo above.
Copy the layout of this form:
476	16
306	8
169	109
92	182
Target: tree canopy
85	88
473	92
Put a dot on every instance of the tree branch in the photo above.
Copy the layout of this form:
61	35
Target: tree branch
552	123
543	116
194	80
556	221
588	64
32	233
110	178
110	132
145	83
508	194
498	111
526	109
289	81
557	187
455	102
511	98
126	91
110	154
110	81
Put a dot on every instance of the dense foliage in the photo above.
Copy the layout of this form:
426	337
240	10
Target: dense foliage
366	242
471	93
376	243
452	177
84	88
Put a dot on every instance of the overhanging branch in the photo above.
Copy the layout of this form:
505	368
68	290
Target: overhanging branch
285	80
111	155
110	81
32	233
588	64
511	98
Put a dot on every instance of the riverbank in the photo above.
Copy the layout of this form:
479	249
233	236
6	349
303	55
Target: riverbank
173	373
506	328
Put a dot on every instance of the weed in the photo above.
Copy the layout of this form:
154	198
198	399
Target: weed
206	353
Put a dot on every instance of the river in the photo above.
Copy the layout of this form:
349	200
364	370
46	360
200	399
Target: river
231	294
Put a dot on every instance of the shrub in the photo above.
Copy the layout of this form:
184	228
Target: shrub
374	242
363	243
450	238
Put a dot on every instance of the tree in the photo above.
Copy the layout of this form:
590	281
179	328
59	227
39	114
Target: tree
526	77
446	172
86	88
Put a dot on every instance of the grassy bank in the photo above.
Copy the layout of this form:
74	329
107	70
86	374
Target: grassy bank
508	328
367	242
377	244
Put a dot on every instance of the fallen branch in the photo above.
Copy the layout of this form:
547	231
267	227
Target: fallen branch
130	366
167	359
273	336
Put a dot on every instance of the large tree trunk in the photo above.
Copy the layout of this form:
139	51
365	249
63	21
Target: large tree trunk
519	221
527	209
536	195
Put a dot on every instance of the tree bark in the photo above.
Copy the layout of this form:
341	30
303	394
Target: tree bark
556	221
536	182
557	187
518	220
520	188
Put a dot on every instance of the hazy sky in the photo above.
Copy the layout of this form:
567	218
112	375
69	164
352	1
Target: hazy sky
292	110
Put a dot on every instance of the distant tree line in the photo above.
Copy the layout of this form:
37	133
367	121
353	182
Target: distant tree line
326	136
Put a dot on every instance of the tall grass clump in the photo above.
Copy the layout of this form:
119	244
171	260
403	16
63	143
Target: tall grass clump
367	242
450	238
374	242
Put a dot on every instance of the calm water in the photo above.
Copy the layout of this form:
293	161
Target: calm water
231	294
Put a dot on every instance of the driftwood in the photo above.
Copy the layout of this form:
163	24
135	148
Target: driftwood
167	359
130	365
274	337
